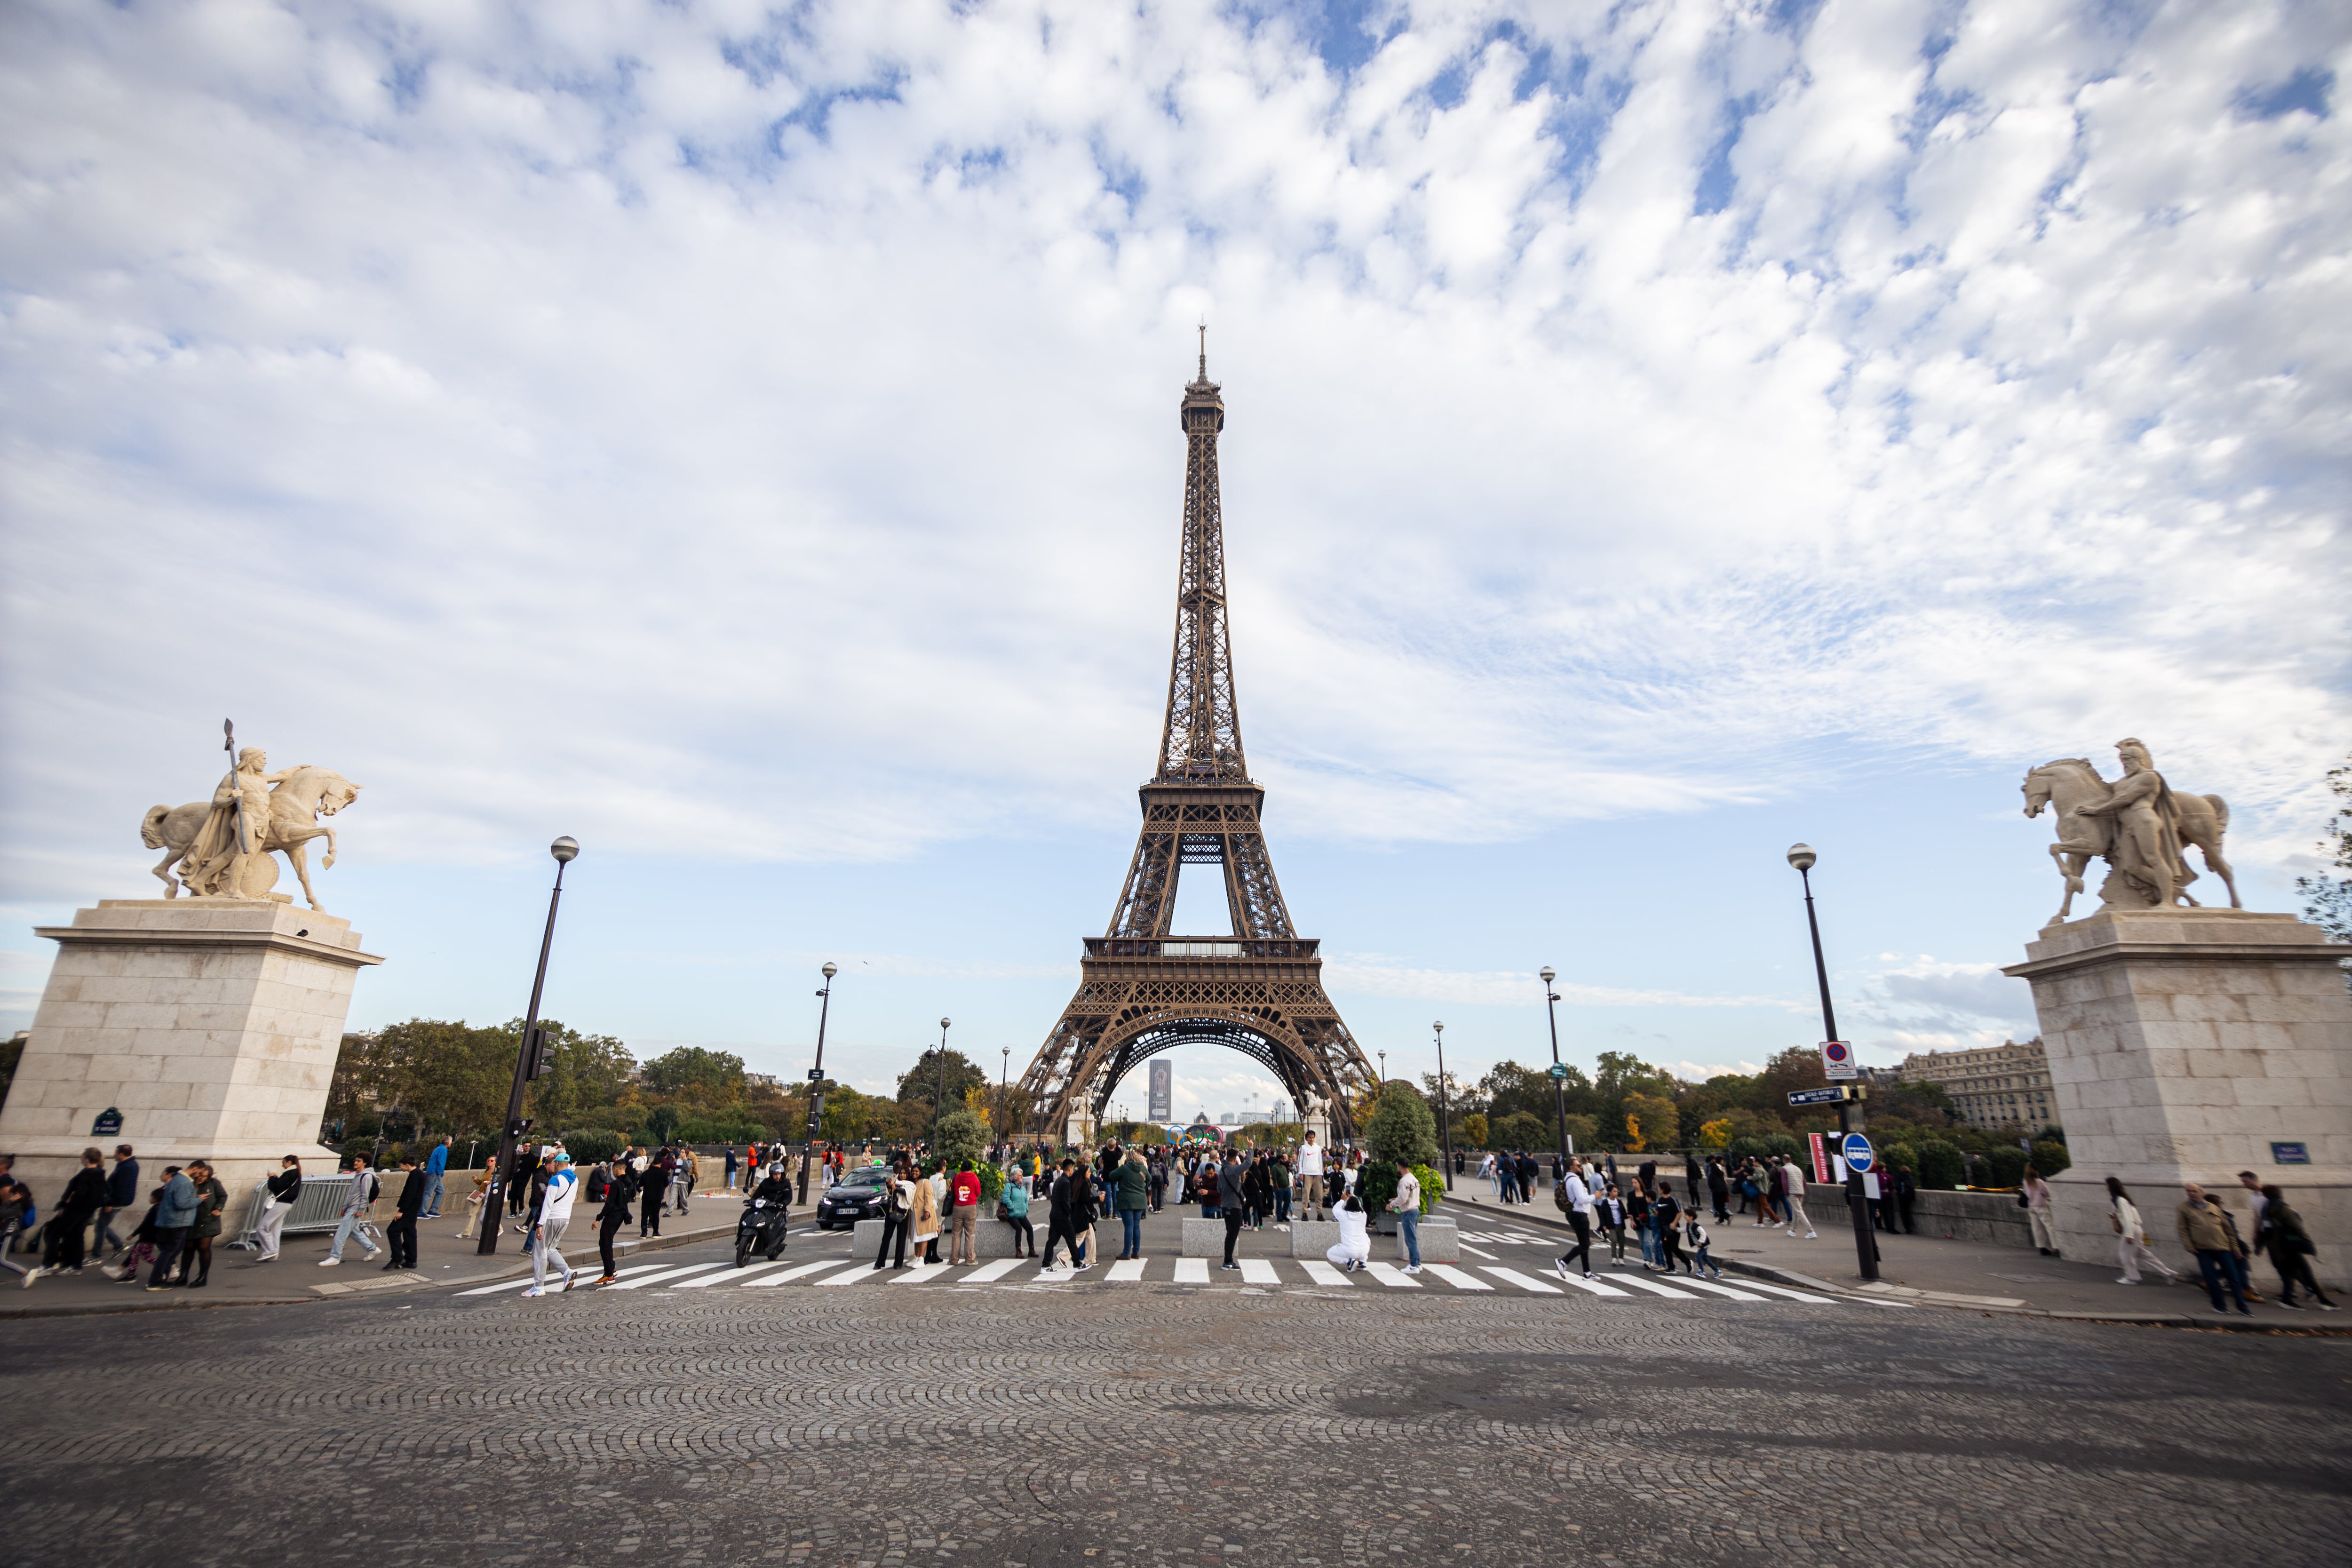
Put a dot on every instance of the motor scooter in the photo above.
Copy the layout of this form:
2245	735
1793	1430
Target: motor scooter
760	1230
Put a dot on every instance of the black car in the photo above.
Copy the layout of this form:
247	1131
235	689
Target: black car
857	1195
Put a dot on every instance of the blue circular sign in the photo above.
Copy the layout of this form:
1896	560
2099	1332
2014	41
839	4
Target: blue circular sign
1857	1152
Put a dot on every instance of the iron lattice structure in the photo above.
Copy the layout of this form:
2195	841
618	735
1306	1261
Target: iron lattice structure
1141	990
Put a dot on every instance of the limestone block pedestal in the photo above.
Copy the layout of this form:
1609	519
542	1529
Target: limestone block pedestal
2187	1046
211	1024
991	1239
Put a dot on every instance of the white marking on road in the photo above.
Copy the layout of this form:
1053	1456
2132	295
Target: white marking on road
1456	1277
729	1277
1126	1269
1523	1281
1323	1273
1747	1284
1711	1286
920	1273
852	1275
658	1276
1467	1248
1594	1286
1652	1286
524	1283
801	1272
1259	1272
987	1272
1192	1272
1388	1274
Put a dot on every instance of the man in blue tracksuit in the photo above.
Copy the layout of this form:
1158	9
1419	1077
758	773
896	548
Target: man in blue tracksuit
436	1163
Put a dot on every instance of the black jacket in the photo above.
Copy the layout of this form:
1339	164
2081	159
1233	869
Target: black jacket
122	1186
84	1196
619	1193
411	1201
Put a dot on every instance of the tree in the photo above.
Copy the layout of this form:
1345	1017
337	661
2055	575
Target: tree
962	1139
1715	1134
1798	1067
706	1079
2327	900
1652	1122
1518	1130
587	1073
1401	1127
1584	1131
846	1116
1474	1130
920	1082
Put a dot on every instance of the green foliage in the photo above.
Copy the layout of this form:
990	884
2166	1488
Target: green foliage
2050	1156
1519	1131
1939	1165
1376	1183
593	1145
962	1138
1584	1130
706	1079
1471	1131
1433	1186
662	1125
586	1072
1401	1126
2327	900
2002	1166
918	1082
991	1184
847	1116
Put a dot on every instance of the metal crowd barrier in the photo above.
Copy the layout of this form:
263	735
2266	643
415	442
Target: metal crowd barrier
318	1206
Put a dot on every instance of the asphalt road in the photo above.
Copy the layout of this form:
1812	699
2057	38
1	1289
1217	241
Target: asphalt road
1147	1422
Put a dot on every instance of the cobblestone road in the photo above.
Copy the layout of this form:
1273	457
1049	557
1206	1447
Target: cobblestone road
1157	1424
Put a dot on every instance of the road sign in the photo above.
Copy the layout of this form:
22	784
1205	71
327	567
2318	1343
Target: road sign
1857	1152
1821	1157
1830	1096
1837	1059
816	1075
1560	1069
109	1123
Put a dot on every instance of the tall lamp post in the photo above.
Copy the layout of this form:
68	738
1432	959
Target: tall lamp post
939	1092
530	1059
1865	1246
816	1079
1004	1082
1444	1122
1559	1077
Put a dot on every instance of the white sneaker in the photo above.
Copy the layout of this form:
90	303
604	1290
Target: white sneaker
1559	1266
534	1290
1413	1269
2126	1281
1810	1234
329	1262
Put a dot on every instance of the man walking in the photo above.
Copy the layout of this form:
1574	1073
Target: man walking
357	1199
122	1192
2203	1233
554	1219
655	1184
1406	1206
1718	1189
619	1188
1310	1177
1232	1201
436	1164
176	1212
1793	1197
400	1235
1526	1174
1578	1194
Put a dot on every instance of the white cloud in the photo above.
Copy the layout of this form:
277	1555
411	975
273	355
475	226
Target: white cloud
753	435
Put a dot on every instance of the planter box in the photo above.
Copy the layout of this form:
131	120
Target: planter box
1441	1240
994	1239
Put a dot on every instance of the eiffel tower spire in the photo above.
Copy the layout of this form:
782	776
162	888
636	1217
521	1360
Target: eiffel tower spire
1259	991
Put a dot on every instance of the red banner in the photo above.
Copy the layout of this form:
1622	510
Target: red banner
1821	1157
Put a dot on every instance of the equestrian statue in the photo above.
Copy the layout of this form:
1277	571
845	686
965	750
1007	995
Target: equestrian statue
2138	823
221	849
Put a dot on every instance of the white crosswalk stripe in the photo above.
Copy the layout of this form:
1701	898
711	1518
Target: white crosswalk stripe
1713	1288
658	1276
1323	1273
1596	1287
732	1278
1258	1271
1652	1286
1192	1272
1391	1275
1456	1276
1126	1269
1523	1281
801	1273
1747	1284
854	1273
988	1272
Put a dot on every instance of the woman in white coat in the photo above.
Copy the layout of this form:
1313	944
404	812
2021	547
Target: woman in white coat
2131	1238
1355	1235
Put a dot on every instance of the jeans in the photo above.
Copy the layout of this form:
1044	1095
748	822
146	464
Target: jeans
1649	1238
551	1237
1409	1232
2215	1266
1707	1264
106	1237
1132	1240
1282	1206
353	1224
432	1196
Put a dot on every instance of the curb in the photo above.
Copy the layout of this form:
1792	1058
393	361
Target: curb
1781	1275
175	1301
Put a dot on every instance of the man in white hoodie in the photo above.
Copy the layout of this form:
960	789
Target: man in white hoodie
554	1219
1795	1178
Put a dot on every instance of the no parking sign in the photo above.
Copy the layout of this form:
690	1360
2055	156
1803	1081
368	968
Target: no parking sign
1837	1059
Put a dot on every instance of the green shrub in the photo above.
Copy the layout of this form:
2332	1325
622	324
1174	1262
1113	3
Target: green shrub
1401	1127
593	1145
2001	1167
962	1138
1433	1186
2050	1156
1939	1165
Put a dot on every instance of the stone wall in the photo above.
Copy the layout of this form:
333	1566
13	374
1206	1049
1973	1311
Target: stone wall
1961	1217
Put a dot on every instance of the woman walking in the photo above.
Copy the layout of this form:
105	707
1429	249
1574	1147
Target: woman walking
1013	1208
283	1186
1083	1214
2289	1244
2131	1238
210	1198
1132	1196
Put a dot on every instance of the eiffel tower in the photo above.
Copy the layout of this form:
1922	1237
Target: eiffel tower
1142	991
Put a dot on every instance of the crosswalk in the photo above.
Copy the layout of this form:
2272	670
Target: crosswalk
1621	1286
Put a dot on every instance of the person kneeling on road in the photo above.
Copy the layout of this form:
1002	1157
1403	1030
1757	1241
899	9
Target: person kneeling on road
1355	1246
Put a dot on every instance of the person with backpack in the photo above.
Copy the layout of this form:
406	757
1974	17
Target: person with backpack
2281	1232
359	1198
1576	1198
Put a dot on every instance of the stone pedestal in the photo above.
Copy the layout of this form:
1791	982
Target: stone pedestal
2184	1046
211	1024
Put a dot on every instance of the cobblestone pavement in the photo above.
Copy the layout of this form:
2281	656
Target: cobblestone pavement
1155	1423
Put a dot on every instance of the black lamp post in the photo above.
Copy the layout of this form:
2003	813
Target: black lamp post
816	1079
939	1091
1558	1078
1003	1082
529	1060
1865	1246
1444	1122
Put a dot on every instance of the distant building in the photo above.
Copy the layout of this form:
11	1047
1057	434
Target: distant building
763	1080
1282	1111
1250	1116
2006	1084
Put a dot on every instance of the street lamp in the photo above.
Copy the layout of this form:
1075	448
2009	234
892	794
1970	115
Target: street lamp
529	1058
1559	1074
1003	1079
1444	1124
1865	1246
816	1079
939	1092
1384	1068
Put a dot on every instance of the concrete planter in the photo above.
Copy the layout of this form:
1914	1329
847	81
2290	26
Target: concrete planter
993	1239
1441	1240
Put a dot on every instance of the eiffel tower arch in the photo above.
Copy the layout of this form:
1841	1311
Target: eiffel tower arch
1143	990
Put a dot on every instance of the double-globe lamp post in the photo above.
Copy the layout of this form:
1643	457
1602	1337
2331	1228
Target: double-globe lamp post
1865	1246
816	1079
528	1064
1558	1078
1444	1123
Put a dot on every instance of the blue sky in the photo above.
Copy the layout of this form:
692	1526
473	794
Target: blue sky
1657	432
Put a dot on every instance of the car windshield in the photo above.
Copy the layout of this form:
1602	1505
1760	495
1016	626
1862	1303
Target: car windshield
873	1176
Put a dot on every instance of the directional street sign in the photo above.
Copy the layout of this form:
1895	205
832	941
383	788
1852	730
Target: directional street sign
1830	1096
1857	1152
816	1075
1560	1069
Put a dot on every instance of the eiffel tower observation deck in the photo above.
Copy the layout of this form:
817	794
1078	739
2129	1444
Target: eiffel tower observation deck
1142	989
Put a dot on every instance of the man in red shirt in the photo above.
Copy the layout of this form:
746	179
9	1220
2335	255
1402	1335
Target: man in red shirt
963	1208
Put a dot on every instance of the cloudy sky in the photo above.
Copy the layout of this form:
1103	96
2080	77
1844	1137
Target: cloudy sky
744	437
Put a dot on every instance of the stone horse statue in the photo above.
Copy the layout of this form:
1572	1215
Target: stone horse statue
296	805
2070	784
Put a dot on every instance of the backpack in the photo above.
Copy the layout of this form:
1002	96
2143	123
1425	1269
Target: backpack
600	1186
